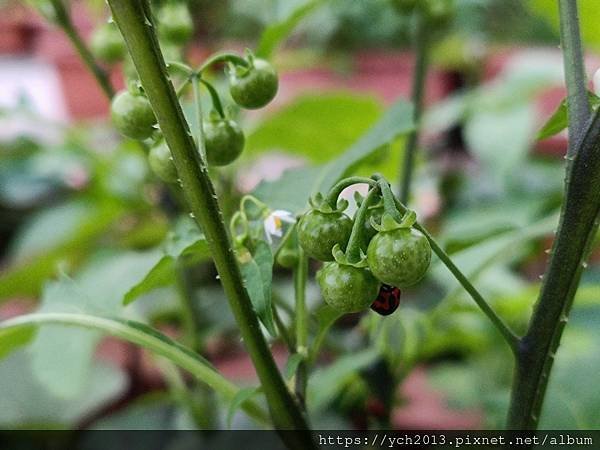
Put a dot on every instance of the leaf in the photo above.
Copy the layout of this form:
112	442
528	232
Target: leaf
62	357
274	34
242	396
14	338
148	338
556	123
291	366
559	119
326	317
36	261
396	121
27	404
324	126
501	138
298	184
589	16
185	242
257	270
326	383
474	260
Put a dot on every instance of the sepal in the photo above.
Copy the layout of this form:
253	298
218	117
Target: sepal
340	258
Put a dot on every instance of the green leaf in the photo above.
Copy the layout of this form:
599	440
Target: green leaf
36	260
299	184
475	260
240	398
291	366
27	404
257	270
185	242
556	123
322	126
274	34
14	338
326	317
589	16
396	121
148	338
62	357
560	120
501	138
326	383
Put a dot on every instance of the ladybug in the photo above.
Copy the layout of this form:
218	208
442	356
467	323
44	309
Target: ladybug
387	300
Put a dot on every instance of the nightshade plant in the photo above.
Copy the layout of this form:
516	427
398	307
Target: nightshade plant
383	246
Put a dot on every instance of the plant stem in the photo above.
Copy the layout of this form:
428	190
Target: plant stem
283	332
577	99
188	314
356	236
216	101
301	321
509	336
222	57
576	231
418	90
336	190
151	340
135	22
63	20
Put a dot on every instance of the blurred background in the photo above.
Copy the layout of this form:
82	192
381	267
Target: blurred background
77	200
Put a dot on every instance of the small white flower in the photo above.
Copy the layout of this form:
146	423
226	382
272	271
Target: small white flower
274	223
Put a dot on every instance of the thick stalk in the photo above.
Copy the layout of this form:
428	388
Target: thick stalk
63	20
574	238
575	79
135	22
418	90
301	321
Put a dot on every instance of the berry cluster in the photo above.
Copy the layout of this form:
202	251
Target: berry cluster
253	83
367	258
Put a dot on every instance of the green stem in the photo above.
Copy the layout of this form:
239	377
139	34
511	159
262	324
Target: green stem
356	236
577	228
577	98
418	90
190	324
283	332
63	20
509	336
222	57
301	322
153	341
135	22
336	190
214	96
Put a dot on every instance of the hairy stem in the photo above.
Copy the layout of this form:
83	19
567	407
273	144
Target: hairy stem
418	90
576	231
134	19
63	20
